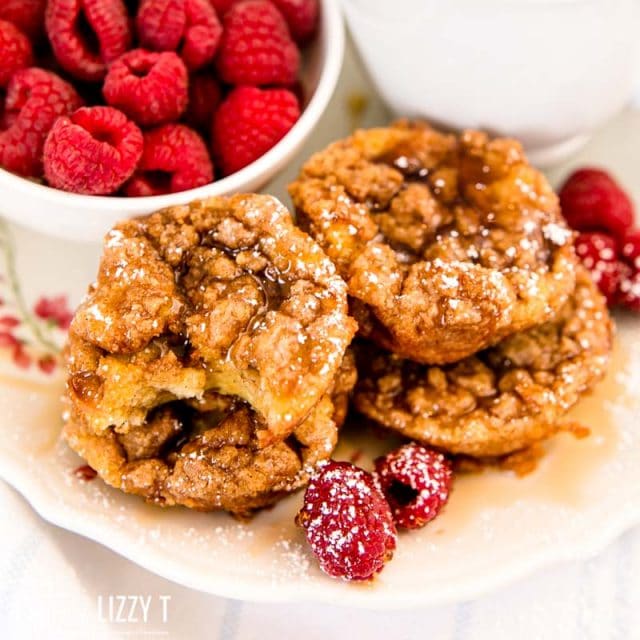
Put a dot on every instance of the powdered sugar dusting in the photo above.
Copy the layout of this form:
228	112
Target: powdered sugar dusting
347	521
416	481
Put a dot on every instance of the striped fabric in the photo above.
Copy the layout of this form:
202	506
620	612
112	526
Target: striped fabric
54	584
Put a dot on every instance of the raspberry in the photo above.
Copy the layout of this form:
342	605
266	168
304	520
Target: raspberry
631	249
629	291
609	276
301	16
204	98
202	36
15	51
599	252
35	98
416	482
149	87
161	23
249	122
592	200
92	151
256	47
222	6
594	248
190	27
175	158
347	522
87	35
27	15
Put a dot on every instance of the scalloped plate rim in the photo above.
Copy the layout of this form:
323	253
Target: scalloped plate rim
456	591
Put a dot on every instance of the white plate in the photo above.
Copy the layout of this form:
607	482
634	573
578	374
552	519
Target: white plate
496	527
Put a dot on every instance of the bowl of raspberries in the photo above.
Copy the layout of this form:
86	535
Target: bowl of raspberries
115	108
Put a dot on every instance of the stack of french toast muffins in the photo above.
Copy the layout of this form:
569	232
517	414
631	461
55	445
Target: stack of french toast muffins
426	282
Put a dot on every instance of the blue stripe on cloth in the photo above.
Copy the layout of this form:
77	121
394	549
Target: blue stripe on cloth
229	626
17	567
461	620
623	590
587	576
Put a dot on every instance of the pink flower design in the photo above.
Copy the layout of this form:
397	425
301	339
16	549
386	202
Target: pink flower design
21	351
20	357
47	363
9	322
55	309
7	340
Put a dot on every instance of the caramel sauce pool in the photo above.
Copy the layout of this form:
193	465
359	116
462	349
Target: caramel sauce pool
561	474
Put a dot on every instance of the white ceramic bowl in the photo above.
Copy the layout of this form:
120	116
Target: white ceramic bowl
88	218
548	72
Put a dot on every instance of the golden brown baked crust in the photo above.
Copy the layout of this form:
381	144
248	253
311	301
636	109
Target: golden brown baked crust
500	400
205	455
224	294
448	244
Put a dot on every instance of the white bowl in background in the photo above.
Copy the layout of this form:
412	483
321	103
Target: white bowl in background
88	218
545	71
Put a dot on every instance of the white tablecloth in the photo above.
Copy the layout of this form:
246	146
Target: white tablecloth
54	584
